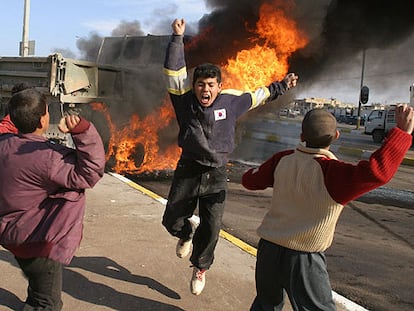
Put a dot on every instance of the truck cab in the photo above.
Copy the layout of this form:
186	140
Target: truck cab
379	122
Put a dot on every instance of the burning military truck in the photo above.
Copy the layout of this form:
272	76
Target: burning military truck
122	93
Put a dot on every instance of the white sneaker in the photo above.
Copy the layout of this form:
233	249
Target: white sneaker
198	281
183	248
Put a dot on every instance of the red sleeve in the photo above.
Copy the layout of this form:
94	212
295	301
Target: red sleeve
346	181
7	126
262	177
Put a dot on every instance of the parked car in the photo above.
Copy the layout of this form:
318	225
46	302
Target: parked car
341	118
283	112
293	113
351	120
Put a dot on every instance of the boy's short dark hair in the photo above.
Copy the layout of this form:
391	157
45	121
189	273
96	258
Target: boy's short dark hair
207	70
19	87
25	109
318	128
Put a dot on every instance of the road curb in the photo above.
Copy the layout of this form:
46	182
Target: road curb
408	161
345	302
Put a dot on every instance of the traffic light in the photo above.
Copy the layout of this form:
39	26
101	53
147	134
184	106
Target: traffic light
363	97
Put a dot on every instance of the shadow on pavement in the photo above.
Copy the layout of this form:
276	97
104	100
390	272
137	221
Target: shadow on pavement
81	288
109	268
78	286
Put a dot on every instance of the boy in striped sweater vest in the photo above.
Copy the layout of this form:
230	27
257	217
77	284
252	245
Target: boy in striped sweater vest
310	188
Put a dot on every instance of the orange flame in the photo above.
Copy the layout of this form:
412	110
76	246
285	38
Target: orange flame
123	143
135	148
265	63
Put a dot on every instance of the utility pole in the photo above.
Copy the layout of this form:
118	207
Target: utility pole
25	38
360	88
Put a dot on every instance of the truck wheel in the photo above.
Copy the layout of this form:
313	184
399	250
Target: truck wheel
378	136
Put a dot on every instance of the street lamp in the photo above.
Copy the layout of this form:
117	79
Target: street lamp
27	47
24	50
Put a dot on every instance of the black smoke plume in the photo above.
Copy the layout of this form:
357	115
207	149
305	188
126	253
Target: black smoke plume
89	46
126	28
223	32
350	26
336	28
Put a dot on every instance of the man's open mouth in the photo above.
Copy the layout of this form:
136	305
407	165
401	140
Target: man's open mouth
205	98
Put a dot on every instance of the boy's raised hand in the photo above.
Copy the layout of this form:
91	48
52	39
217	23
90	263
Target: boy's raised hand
291	80
178	26
68	123
404	116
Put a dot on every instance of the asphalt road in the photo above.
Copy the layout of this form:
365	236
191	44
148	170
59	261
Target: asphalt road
371	261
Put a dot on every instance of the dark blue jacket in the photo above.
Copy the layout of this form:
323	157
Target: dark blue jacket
207	133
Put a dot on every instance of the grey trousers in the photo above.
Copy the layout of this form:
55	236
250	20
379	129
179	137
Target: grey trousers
303	276
45	284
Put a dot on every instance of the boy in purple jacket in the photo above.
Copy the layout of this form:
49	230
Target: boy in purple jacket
42	194
310	189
